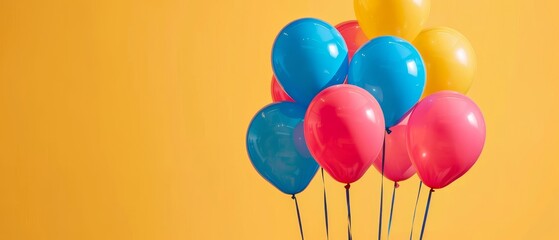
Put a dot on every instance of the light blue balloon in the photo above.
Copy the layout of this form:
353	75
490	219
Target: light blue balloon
392	70
276	146
308	56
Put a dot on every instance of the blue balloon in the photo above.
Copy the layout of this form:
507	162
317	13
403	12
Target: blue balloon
308	56
276	146
392	70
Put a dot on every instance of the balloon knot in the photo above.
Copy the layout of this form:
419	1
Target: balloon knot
388	131
432	190
347	186
293	196
396	185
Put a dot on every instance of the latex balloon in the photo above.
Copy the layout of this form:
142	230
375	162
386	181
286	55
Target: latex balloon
353	35
308	56
446	134
277	149
344	131
406	119
449	58
278	94
392	70
402	18
397	164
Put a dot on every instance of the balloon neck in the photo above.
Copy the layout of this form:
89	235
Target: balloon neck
347	186
293	196
396	185
432	190
388	131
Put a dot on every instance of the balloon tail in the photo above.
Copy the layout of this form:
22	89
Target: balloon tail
415	209
325	204
391	209
426	213
349	237
298	216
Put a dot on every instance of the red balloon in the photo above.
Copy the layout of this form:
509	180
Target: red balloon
446	134
344	129
353	35
397	164
278	94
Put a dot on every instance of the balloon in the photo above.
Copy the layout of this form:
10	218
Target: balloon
397	164
353	36
344	131
391	70
308	56
449	58
406	118
446	133
277	149
278	94
402	18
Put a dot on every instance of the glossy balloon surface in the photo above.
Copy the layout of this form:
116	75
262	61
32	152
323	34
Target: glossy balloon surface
276	147
449	59
445	136
353	35
308	56
392	70
397	164
402	18
344	130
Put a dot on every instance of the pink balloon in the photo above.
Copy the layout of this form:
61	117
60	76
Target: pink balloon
397	164
406	119
278	94
353	36
344	129
446	134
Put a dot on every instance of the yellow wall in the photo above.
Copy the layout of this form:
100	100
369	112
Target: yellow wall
126	120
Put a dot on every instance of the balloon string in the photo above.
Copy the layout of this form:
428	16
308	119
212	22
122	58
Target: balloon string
325	204
415	209
391	209
426	212
382	186
298	216
349	237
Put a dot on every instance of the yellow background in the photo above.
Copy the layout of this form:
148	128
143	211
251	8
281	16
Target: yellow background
127	119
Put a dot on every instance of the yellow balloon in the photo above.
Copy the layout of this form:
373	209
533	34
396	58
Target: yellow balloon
450	60
402	18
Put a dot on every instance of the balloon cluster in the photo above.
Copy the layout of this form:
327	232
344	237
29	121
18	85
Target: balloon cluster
341	93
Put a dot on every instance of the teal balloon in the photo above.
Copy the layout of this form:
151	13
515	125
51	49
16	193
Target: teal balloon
392	70
308	56
276	147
